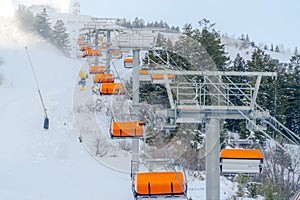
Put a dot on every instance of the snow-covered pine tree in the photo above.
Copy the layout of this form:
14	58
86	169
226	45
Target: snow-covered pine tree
43	25
296	52
277	49
61	37
161	41
271	48
169	45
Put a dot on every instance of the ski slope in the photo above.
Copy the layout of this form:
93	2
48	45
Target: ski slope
52	164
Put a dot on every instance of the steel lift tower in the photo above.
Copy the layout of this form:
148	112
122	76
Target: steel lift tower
209	101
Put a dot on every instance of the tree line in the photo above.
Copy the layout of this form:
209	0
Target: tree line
140	23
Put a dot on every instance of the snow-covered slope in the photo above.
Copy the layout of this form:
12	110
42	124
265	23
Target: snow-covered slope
245	49
39	164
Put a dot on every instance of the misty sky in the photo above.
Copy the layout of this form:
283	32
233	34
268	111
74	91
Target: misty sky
265	21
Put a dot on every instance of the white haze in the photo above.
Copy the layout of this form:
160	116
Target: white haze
8	7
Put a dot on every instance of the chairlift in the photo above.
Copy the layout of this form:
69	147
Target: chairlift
241	161
111	89
103	78
160	184
116	54
128	62
126	129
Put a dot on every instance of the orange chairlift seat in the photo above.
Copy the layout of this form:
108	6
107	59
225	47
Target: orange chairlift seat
126	129
111	88
103	78
84	48
244	161
156	184
91	52
116	54
97	69
144	72
128	62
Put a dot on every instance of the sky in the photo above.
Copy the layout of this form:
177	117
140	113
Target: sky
265	21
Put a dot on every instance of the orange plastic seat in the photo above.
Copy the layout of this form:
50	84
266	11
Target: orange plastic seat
159	184
144	72
103	78
241	154
128	59
84	48
127	129
111	88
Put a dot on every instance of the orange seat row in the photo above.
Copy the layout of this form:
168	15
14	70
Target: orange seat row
111	88
159	184
127	129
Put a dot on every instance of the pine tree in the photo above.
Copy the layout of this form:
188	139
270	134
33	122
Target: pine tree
277	49
169	45
61	37
161	41
187	30
247	38
210	39
289	92
43	25
296	52
242	37
271	48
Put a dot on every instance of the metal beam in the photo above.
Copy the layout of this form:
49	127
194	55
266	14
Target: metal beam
169	92
212	165
213	73
253	100
135	99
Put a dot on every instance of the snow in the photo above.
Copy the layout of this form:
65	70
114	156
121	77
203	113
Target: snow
53	164
245	49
